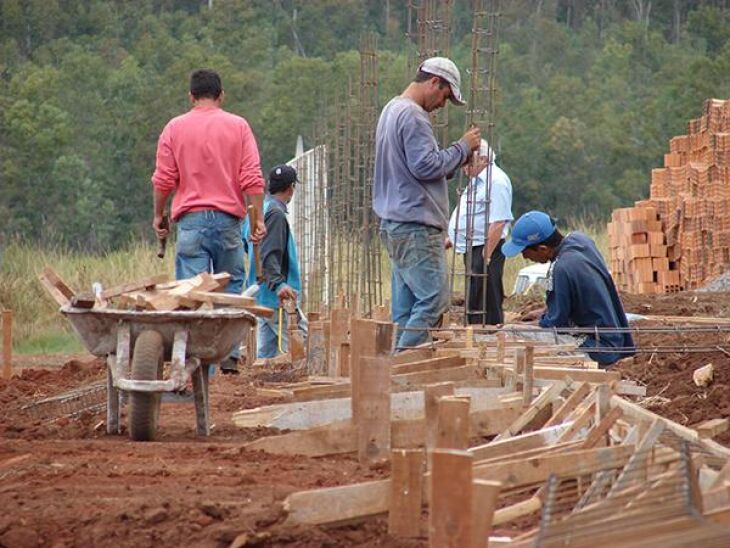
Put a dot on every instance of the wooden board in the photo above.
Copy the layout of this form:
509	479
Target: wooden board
144	283
341	437
373	420
55	286
406	493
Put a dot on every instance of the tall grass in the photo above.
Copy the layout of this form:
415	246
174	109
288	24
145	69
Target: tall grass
39	328
37	325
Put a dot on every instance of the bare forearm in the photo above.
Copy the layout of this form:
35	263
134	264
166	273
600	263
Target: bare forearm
493	236
159	200
256	200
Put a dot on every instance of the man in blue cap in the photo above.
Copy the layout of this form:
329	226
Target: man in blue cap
279	260
580	290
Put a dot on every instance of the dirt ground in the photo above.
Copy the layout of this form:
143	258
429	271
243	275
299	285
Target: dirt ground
66	483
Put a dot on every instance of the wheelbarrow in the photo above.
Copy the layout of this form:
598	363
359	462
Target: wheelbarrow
137	343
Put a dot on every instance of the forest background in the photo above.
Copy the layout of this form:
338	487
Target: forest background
589	92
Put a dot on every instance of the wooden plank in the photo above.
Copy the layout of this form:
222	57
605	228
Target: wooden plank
342	367
484	502
578	395
580	422
148	282
522	442
227	299
711	428
7	319
578	375
638	458
373	420
412	355
542	401
428	365
369	338
432	394
528	375
316	363
61	296
464	373
450	511
309	393
59	283
341	437
640	414
406	493
339	334
600	430
533	470
338	504
453	423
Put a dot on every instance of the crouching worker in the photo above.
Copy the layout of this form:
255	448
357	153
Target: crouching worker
281	279
580	290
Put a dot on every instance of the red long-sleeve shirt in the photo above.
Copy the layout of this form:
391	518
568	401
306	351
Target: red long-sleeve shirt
208	156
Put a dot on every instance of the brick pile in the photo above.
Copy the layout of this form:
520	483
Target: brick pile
680	237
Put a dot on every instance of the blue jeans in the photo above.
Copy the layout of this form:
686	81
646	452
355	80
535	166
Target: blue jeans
267	334
210	241
419	283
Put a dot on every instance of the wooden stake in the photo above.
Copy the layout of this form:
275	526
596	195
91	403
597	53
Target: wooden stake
369	338
406	493
339	333
484	501
450	514
373	420
469	337
316	349
528	376
343	360
453	423
501	336
432	394
7	343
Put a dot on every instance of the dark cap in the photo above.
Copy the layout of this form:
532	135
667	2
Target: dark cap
281	177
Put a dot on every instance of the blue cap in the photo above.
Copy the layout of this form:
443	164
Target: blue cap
534	227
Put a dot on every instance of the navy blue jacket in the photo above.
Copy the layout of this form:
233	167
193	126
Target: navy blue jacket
581	293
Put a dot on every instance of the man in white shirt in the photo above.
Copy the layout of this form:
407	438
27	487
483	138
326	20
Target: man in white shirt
489	191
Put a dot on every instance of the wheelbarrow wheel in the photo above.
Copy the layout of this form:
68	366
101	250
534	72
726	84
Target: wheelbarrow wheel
144	408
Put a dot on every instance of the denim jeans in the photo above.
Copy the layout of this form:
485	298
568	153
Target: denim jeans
419	285
267	335
210	241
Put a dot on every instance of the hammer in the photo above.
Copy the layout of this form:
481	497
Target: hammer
163	242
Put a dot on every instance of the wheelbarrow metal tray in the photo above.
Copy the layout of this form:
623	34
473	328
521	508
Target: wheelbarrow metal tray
211	333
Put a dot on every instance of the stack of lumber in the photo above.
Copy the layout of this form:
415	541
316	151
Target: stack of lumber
200	292
690	196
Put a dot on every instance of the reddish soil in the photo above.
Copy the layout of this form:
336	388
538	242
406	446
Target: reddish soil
67	483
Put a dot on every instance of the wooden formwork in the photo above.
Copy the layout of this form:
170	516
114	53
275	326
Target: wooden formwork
570	458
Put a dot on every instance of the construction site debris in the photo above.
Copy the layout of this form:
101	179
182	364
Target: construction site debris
200	292
702	376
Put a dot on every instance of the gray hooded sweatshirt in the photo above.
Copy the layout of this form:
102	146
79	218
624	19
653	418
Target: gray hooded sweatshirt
410	171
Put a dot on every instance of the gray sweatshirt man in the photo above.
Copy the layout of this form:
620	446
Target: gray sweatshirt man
410	195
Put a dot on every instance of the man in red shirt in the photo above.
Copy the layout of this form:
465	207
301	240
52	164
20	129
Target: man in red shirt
209	158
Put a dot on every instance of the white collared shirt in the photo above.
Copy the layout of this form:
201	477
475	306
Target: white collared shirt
472	206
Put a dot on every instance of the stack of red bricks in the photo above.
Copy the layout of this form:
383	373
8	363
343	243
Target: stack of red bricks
680	237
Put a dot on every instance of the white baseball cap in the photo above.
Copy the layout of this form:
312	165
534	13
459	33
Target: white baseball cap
486	151
446	69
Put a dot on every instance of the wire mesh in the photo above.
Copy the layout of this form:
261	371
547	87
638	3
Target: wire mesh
87	399
641	492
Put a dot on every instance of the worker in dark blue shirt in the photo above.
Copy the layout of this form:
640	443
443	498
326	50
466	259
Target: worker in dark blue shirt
580	290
